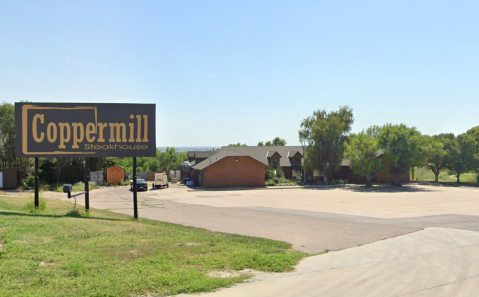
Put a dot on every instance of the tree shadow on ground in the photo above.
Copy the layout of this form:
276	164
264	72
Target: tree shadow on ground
54	216
448	184
374	189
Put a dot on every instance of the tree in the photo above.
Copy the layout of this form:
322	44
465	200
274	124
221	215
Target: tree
170	160
463	155
474	132
437	148
279	172
275	142
167	160
238	144
7	135
362	153
403	147
325	135
7	142
279	141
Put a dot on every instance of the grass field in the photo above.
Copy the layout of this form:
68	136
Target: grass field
423	174
56	252
75	188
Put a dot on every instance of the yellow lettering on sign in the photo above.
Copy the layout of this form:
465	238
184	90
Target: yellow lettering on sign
132	129
101	126
90	129
138	128
52	132
78	134
145	128
37	117
65	134
115	137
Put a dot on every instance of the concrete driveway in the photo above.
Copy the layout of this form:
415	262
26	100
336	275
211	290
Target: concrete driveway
313	220
435	262
431	247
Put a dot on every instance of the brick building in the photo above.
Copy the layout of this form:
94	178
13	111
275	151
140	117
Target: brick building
244	166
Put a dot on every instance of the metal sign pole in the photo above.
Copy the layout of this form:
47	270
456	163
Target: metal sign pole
87	184
37	181
135	198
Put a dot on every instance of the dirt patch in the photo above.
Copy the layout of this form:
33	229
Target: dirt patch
187	244
231	273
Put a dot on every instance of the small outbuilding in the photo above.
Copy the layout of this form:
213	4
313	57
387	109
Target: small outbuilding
114	175
8	178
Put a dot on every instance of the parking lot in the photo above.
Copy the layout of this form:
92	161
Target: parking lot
312	219
415	241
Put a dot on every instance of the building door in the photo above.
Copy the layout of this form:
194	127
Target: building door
1	179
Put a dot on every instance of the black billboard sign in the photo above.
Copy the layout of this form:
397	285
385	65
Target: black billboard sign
84	130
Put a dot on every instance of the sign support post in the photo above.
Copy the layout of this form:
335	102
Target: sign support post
37	181
135	197
87	183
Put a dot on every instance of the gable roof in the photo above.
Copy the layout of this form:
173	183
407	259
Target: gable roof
272	153
258	153
201	154
223	154
291	154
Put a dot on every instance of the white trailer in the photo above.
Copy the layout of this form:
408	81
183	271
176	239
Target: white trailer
161	181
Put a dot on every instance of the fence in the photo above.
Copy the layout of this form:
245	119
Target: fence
139	175
97	177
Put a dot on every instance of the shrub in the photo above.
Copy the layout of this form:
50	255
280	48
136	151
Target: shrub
29	182
280	182
335	182
78	212
269	173
279	172
30	206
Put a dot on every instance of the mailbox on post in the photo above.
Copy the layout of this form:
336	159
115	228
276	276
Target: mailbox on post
67	188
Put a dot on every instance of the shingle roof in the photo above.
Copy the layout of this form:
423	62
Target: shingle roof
201	154
221	155
291	154
259	153
271	153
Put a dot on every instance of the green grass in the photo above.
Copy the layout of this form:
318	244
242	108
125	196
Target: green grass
58	252
59	187
423	174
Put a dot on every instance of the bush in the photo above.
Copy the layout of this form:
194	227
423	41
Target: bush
124	183
270	182
279	172
269	174
335	182
279	182
29	182
78	212
30	206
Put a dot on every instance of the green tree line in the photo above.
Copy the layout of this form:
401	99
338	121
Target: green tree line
392	147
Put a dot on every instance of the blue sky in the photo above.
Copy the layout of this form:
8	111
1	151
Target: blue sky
247	71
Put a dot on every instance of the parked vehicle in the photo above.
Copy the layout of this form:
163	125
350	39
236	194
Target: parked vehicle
141	185
161	181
